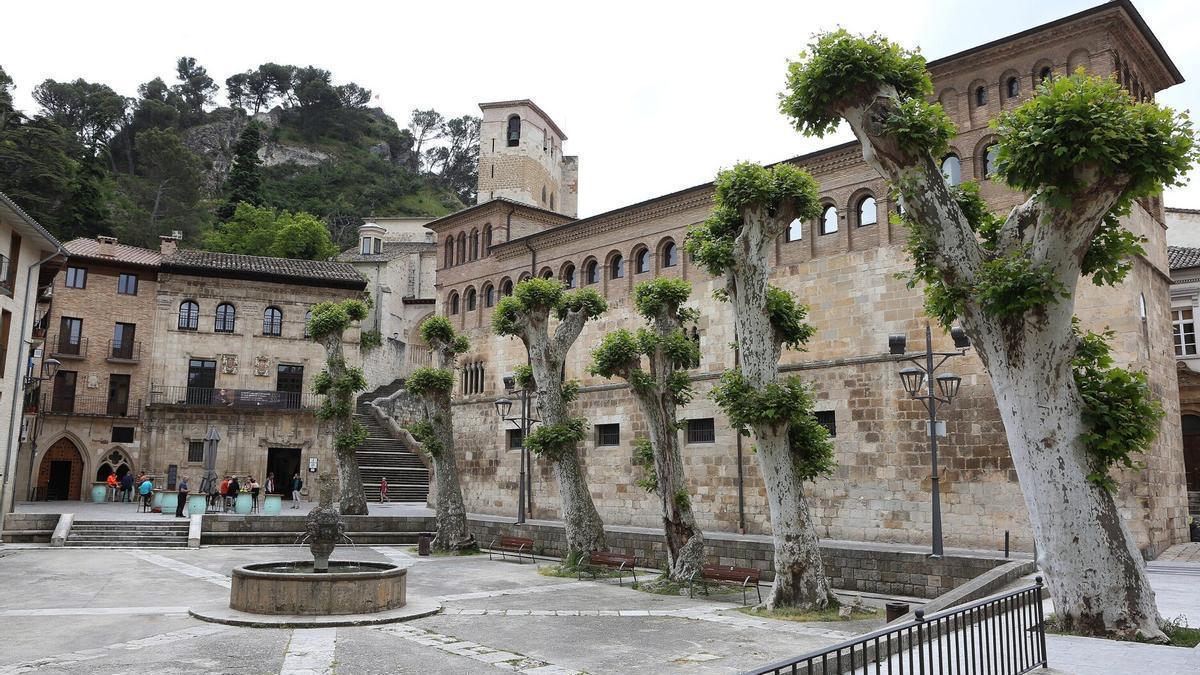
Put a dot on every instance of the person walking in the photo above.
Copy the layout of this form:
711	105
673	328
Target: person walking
183	497
297	484
127	487
254	490
383	496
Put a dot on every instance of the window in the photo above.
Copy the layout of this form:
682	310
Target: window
449	262
568	276
473	377
701	431
5	331
1183	326
307	318
608	434
489	295
514	439
1045	74
454	303
474	244
670	254
514	131
289	382
118	395
952	170
591	273
506	287
795	231
827	419
76	277
14	255
127	284
195	451
471	299
487	239
122	434
543	194
70	335
867	213
365	249
462	247
989	160
980	96
829	220
643	261
189	315
122	344
617	267
551	201
63	399
226	318
547	273
273	321
1012	87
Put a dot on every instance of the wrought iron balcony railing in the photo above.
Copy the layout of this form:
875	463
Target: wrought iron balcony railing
124	350
70	346
96	406
233	398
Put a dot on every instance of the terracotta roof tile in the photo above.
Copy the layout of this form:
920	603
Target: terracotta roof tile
1183	257
338	274
122	253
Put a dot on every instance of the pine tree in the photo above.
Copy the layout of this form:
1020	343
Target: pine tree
244	183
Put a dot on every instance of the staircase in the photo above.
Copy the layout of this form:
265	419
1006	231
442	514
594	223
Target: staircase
382	456
128	534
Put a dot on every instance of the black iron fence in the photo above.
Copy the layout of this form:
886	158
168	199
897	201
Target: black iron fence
68	345
101	406
233	398
1004	634
125	350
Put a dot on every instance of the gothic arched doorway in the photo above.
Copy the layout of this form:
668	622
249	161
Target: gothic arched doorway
115	462
61	473
1191	451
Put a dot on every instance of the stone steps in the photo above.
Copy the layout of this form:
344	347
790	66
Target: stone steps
381	456
128	534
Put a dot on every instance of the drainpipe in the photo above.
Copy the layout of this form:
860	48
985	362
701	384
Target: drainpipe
532	259
18	382
508	224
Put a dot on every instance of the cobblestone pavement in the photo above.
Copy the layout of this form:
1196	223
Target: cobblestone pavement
1189	553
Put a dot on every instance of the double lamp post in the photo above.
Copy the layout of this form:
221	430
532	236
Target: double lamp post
523	422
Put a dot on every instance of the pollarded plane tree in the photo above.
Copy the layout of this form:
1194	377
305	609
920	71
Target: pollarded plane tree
1083	151
526	314
435	434
660	388
339	383
754	206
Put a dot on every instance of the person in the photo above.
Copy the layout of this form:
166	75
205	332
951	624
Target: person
225	494
144	490
183	497
254	489
270	483
297	484
112	487
127	487
383	489
234	489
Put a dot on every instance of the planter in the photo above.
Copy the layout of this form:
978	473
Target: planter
243	503
170	499
197	504
156	500
272	505
99	492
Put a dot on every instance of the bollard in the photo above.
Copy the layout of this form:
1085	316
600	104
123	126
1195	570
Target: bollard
1006	544
423	541
895	610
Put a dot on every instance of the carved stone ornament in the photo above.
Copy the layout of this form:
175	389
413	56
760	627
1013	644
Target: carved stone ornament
262	366
229	364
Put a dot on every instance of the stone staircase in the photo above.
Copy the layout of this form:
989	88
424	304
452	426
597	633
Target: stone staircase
383	456
128	534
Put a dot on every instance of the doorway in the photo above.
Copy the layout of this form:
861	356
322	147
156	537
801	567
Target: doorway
202	377
289	381
60	475
1191	451
284	463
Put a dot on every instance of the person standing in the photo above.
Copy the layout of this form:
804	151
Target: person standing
297	484
383	496
254	489
270	483
127	487
112	487
183	497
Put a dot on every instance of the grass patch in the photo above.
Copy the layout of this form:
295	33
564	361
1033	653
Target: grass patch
663	585
1178	632
788	614
447	554
571	572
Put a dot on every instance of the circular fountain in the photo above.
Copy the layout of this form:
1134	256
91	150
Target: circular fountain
321	592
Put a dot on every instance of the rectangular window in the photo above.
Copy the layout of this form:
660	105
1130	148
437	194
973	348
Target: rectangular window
118	395
366	246
196	451
14	255
701	431
5	327
127	284
76	277
1183	326
608	434
289	381
70	335
827	419
514	439
122	344
63	400
122	434
377	245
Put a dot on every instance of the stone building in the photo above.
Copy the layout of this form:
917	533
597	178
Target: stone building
1185	310
844	265
31	258
521	158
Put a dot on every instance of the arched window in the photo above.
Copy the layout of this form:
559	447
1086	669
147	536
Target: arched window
489	296
189	315
449	252
1045	74
616	267
1012	87
514	131
795	231
454	303
952	169
568	276
989	160
272	321
551	201
474	244
543	194
591	273
829	220
642	261
506	287
867	214
462	247
307	318
226	318
546	273
471	299
670	254
981	96
487	239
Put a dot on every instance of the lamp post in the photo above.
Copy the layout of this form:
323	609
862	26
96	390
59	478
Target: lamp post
524	422
49	370
922	373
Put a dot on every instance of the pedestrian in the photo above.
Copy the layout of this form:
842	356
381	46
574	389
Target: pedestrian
270	483
112	487
383	490
144	490
234	489
183	497
254	490
225	494
127	487
297	484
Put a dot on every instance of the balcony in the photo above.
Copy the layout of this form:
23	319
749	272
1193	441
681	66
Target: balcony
68	347
124	351
92	406
7	276
240	399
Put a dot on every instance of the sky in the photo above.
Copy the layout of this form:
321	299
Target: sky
653	96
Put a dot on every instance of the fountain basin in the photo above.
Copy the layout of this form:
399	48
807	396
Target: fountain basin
292	588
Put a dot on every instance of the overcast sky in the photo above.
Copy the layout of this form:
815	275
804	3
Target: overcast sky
653	96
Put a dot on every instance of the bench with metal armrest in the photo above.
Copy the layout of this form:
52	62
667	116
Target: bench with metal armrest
520	546
594	562
727	574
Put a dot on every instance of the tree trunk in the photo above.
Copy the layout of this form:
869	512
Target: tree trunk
452	533
352	500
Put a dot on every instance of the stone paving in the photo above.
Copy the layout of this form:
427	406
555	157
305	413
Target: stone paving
1189	553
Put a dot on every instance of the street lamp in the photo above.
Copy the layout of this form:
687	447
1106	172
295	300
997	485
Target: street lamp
49	369
523	422
918	382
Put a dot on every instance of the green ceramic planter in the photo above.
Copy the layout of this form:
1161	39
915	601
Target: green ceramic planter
99	492
272	505
196	504
170	499
156	500
243	503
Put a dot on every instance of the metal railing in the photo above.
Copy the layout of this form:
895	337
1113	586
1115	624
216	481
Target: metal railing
7	278
232	398
1004	634
66	345
125	350
99	406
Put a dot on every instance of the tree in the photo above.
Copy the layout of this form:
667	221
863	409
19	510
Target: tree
92	111
339	383
244	184
457	162
753	208
1084	151
195	89
426	126
258	230
165	193
659	389
433	386
526	315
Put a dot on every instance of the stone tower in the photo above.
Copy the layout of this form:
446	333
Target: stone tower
521	158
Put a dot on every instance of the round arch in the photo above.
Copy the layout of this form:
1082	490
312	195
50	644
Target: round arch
979	157
667	253
854	208
641	260
1040	69
1080	58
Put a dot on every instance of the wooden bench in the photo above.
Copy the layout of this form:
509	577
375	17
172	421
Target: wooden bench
593	562
728	574
517	545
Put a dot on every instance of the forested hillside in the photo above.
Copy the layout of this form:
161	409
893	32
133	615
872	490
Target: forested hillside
301	149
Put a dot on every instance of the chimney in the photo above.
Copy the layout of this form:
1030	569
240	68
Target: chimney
108	246
167	243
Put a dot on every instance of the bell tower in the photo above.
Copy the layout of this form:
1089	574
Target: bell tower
521	158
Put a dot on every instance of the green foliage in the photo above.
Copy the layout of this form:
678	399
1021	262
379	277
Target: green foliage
254	230
523	377
427	381
425	434
1110	257
369	339
618	353
643	457
1011	285
244	183
839	70
588	301
335	317
533	296
353	380
919	127
332	409
788	318
1080	122
555	441
683	501
347	441
975	209
440	334
570	391
662	295
1120	414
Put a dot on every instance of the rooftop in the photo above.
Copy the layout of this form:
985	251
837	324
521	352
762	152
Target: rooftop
525	102
390	251
121	253
1183	257
260	268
